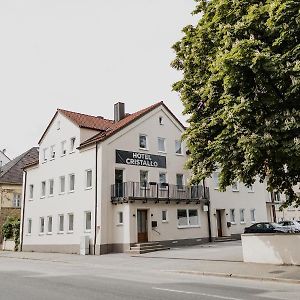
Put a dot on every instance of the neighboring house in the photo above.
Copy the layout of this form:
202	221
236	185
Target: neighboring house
11	182
4	159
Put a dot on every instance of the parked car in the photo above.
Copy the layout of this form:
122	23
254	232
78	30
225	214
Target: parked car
266	227
293	226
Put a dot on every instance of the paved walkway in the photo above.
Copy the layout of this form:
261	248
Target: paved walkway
165	262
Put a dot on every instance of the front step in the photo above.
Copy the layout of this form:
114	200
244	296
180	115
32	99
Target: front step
225	239
142	248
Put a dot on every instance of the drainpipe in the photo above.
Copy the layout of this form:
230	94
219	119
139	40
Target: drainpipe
96	198
208	212
23	211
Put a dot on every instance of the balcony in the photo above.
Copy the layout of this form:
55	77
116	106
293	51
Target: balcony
153	191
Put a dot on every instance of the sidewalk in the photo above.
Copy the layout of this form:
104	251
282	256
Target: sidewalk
123	262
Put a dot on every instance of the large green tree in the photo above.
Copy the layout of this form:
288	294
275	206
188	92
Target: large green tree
240	88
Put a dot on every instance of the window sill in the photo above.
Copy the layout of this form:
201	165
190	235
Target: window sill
70	192
235	191
61	232
51	196
88	188
63	155
51	159
165	221
71	152
120	224
233	223
251	192
70	232
43	197
62	193
49	233
162	152
179	154
187	227
243	222
144	149
44	161
253	222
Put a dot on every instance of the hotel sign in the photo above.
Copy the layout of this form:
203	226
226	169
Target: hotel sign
140	159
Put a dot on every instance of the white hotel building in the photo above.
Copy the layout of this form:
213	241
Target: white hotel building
123	182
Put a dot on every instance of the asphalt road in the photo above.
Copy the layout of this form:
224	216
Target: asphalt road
42	280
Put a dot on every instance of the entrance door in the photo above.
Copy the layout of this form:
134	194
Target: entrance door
142	225
219	223
119	186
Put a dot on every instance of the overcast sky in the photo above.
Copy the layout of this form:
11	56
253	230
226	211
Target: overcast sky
84	55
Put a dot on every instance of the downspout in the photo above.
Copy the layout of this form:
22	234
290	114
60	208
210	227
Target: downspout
96	199
23	210
208	212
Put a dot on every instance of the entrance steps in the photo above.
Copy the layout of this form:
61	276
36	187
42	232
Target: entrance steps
141	248
225	239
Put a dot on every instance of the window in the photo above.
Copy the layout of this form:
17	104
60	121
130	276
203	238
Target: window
49	223
43	189
164	216
51	187
179	181
72	182
63	148
143	178
52	152
61	223
232	216
161	120
252	214
45	155
235	187
88	220
42	225
242	215
71	222
62	181
216	180
187	218
58	125
88	178
29	226
250	189
162	180
30	191
17	200
72	144
161	144
143	141
120	218
178	147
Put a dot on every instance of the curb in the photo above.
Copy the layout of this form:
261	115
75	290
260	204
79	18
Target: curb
239	276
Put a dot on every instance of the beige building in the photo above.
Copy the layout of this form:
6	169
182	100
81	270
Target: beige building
11	182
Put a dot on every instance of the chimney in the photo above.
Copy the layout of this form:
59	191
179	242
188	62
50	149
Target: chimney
119	110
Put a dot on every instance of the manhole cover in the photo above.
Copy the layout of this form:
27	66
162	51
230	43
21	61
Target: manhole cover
276	272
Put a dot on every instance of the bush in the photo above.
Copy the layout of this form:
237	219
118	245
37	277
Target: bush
11	230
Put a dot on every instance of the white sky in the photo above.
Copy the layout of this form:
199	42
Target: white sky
84	55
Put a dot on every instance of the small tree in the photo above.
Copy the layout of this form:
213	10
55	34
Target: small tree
241	87
11	230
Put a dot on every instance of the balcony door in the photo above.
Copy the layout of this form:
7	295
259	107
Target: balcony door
142	225
119	180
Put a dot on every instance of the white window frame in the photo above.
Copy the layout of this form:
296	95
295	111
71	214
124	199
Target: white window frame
145	135
166	220
253	220
250	189
59	223
163	143
85	221
188	218
63	148
71	176
161	120
60	184
48	219
70	230
142	185
120	218
215	177
51	181
58	125
45	155
177	185
29	226
72	144
31	191
242	213
178	142
43	189
42	227
232	216
166	180
52	152
87	172
17	200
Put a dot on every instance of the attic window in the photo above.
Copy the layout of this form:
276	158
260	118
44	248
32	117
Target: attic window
161	121
58	125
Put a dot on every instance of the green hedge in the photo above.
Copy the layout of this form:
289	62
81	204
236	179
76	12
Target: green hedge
11	230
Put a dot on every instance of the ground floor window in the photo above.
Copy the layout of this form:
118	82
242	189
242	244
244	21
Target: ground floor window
49	219
71	222
232	216
120	218
61	223
242	215
42	225
29	226
252	214
88	220
164	216
187	218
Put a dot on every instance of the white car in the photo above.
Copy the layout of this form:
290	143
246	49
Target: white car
294	226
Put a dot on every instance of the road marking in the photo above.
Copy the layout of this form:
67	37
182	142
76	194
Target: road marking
195	293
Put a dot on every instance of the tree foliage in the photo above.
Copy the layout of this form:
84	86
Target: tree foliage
240	88
11	230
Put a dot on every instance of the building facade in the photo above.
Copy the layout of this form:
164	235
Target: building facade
121	182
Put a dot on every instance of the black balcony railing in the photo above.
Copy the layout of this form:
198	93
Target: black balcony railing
156	191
